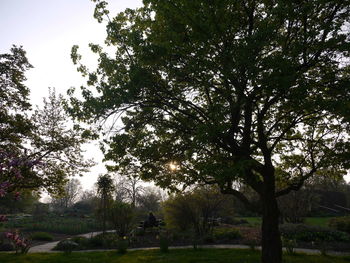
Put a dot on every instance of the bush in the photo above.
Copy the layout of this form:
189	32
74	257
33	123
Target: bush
42	236
122	246
308	233
66	245
289	244
82	242
139	231
7	247
96	241
108	240
226	234
163	243
341	223
121	216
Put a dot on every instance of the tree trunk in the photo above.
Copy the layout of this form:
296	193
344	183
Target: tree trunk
271	237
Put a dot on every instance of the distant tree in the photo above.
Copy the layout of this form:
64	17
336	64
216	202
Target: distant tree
252	92
87	195
149	200
87	203
72	191
105	189
128	188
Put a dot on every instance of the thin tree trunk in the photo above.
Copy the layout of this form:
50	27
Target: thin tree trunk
271	237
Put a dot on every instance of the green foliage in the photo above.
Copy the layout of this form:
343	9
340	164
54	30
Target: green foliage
164	243
233	92
42	236
25	204
83	242
14	99
340	223
122	245
69	226
308	233
105	188
66	245
194	210
226	234
57	142
52	149
289	244
121	215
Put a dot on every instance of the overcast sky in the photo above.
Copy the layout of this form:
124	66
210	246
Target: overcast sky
47	29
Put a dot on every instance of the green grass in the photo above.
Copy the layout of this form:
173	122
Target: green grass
318	221
174	256
255	221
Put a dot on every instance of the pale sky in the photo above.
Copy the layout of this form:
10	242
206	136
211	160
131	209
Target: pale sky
47	30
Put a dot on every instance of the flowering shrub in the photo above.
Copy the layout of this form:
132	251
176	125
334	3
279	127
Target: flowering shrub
20	244
11	168
3	218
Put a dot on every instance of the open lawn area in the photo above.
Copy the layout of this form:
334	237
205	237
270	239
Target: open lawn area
173	256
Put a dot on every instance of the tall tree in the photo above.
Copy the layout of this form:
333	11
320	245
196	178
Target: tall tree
57	141
37	152
253	92
105	190
128	188
15	124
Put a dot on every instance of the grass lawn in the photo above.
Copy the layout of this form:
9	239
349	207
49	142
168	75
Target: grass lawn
318	221
154	256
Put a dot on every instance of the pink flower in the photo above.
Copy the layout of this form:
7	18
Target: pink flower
9	235
17	196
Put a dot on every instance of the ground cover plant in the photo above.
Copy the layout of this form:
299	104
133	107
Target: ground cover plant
173	256
60	225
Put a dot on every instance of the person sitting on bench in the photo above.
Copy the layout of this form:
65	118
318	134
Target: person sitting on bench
151	221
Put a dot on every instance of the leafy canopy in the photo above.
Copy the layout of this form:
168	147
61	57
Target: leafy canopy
253	92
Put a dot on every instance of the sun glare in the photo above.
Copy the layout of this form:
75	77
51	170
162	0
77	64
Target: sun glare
173	166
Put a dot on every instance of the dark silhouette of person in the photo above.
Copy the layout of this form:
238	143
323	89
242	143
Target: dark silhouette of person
152	221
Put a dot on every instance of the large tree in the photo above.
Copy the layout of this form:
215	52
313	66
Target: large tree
40	149
227	92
